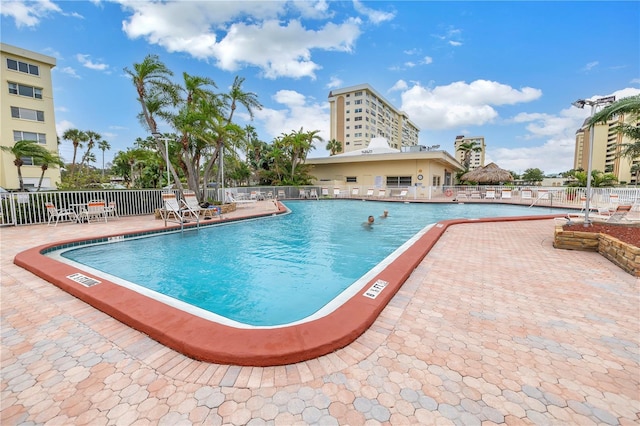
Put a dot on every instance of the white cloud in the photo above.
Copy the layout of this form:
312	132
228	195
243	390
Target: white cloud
455	43
69	71
554	156
427	60
334	82
299	111
238	34
28	13
461	104
590	66
399	86
88	63
374	16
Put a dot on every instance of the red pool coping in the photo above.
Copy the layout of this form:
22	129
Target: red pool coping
205	340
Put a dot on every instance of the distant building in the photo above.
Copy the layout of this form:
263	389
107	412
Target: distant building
381	166
607	145
26	113
359	114
477	158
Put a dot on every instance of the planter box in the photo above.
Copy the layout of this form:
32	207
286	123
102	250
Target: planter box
622	254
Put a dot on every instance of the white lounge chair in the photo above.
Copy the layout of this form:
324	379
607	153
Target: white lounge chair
370	192
281	194
179	210
475	194
232	199
325	192
336	192
190	204
313	193
506	194
490	194
355	192
57	214
403	194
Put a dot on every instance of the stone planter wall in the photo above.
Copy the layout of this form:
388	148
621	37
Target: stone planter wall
622	254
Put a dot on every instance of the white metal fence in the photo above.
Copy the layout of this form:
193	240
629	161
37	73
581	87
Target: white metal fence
26	208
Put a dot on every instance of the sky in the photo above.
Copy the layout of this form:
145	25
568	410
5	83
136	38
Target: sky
508	71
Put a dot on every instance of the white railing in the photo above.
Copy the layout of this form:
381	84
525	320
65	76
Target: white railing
27	208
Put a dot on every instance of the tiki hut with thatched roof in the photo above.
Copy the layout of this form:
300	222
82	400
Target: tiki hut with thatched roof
490	173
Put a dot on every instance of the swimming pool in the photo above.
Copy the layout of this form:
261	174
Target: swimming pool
276	271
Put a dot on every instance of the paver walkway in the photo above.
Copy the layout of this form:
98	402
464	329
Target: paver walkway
495	326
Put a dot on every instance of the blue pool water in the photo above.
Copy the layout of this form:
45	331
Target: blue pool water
276	270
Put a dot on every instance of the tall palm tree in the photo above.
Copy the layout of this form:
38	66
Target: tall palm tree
103	146
152	81
77	137
334	146
467	149
629	107
22	149
93	137
50	159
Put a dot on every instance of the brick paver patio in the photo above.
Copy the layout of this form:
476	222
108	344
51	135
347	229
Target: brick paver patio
495	326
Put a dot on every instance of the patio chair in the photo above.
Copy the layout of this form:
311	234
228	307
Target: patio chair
178	210
336	192
190	204
506	194
475	194
110	209
490	194
355	192
281	194
313	194
95	210
403	194
462	194
325	192
382	193
370	192
57	214
232	199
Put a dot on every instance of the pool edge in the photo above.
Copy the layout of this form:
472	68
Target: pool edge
208	341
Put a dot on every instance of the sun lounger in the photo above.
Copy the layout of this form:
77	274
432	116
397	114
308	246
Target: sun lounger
57	214
232	199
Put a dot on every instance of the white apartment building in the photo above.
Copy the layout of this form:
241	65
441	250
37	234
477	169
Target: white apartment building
607	145
26	113
359	114
477	158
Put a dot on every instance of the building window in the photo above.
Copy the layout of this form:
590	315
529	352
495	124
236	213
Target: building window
357	110
24	67
436	181
27	114
357	119
358	102
352	179
22	90
358	94
18	135
348	103
358	126
398	181
357	135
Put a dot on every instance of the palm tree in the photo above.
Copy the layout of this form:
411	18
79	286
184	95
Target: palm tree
22	149
103	146
624	107
76	137
93	137
151	79
635	172
467	148
48	160
334	146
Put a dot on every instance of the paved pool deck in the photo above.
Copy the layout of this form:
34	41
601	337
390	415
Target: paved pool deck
495	326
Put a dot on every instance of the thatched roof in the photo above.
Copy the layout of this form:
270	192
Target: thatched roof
490	173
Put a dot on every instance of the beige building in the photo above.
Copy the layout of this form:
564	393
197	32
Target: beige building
607	145
477	158
380	166
26	113
359	114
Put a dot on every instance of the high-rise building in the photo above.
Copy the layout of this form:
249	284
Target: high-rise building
477	157
359	114
26	113
607	146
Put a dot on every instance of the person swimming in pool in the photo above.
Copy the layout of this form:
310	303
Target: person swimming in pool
385	214
369	223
